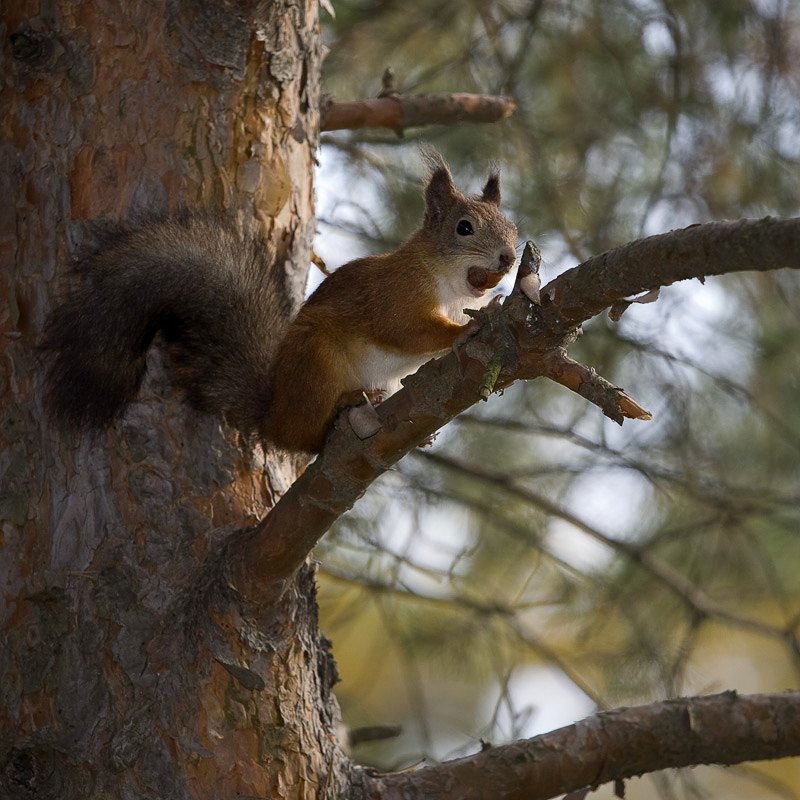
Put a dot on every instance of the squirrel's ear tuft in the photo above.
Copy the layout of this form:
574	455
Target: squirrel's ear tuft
440	191
491	192
439	194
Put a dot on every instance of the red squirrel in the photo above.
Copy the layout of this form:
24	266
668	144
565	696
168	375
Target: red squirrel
213	295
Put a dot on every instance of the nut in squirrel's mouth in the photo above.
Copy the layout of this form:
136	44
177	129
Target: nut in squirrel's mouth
481	279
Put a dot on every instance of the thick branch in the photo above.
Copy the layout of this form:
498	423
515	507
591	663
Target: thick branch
521	341
720	729
398	112
715	248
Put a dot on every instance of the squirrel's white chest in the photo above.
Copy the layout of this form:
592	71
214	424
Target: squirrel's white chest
378	368
454	296
454	309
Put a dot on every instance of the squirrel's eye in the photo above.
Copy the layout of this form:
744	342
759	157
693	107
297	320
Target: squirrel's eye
464	228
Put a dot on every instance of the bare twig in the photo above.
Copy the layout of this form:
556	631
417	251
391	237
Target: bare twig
373	733
583	380
399	112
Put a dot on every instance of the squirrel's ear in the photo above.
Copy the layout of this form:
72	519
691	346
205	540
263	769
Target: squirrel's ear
491	192
440	191
439	194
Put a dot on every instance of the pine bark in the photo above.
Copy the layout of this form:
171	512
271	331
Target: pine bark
128	669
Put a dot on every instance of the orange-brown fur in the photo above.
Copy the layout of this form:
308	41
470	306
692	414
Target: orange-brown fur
357	303
390	302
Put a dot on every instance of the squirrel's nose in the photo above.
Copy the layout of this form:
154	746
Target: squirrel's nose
506	258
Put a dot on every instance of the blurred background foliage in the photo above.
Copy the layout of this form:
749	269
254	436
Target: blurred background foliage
540	562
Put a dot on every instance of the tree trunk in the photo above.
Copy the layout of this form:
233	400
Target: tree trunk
127	668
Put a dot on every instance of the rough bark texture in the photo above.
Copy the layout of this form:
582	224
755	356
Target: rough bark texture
126	669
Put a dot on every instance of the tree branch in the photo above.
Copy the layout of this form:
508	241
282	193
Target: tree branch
519	341
584	381
399	112
715	248
610	746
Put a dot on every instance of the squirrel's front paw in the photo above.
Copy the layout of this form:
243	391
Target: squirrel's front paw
474	325
467	331
493	304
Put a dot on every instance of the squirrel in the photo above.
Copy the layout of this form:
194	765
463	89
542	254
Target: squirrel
213	295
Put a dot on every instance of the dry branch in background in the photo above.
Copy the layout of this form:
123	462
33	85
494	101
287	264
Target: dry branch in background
610	746
399	112
518	341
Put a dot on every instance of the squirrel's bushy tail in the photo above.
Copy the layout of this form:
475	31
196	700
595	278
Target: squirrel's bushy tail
212	293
